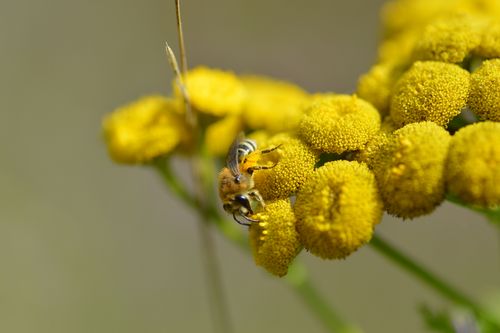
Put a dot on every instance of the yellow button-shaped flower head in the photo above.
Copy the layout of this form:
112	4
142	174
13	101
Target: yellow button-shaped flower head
484	99
449	39
272	105
430	91
274	240
473	166
410	169
148	128
294	162
489	46
213	91
336	124
220	134
401	15
337	209
398	49
370	152
376	85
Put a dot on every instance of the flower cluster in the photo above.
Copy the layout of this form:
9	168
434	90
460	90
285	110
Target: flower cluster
438	67
340	161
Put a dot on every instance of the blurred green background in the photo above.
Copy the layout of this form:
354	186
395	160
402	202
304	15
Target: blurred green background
90	246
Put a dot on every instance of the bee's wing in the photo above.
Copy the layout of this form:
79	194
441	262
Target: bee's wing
232	155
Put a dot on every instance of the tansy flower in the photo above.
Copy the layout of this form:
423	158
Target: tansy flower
220	134
294	162
401	15
409	169
473	166
484	99
148	128
376	85
369	153
213	91
430	90
260	137
337	209
336	124
449	39
274	240
273	105
489	46
398	49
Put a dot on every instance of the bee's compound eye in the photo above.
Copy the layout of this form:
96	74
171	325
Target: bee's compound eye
243	200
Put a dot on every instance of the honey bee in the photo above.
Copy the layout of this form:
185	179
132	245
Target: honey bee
236	185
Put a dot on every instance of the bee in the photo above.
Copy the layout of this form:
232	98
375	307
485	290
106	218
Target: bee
236	185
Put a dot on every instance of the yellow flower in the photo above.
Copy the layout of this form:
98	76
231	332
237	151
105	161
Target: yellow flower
260	137
273	105
369	153
214	91
220	134
336	124
484	99
430	90
337	209
274	240
473	166
449	39
398	49
400	15
294	163
409	169
147	128
489	46
376	85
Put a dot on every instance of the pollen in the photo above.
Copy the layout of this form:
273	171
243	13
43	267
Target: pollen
274	240
337	209
340	123
409	168
145	129
430	91
273	105
293	163
473	166
214	91
220	134
484	99
449	39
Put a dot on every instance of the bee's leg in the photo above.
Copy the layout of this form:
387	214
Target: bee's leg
256	195
268	150
250	170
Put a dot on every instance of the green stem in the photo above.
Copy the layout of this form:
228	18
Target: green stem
493	215
162	166
299	281
220	310
430	279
